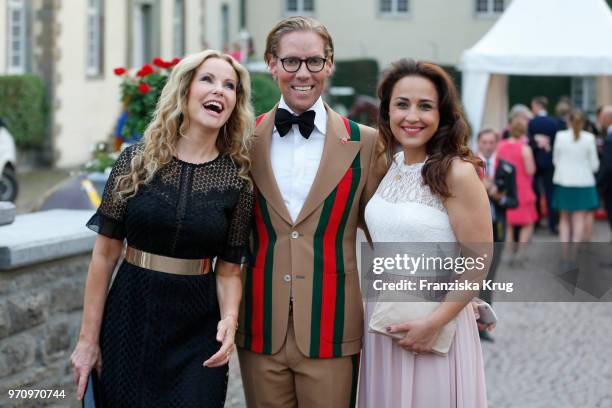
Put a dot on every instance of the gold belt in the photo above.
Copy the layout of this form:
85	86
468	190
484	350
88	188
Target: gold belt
167	264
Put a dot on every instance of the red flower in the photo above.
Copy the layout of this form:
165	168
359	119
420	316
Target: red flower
145	70
119	71
144	87
158	62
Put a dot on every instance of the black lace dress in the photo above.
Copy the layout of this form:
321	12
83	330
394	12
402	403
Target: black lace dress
159	328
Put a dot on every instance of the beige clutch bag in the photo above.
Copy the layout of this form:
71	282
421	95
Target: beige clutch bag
388	313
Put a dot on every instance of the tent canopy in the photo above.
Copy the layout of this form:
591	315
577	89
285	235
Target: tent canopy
539	37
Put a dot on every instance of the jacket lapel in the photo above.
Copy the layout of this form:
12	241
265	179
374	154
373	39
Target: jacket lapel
336	159
261	166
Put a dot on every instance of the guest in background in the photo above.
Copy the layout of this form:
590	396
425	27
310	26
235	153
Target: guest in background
590	126
500	196
518	111
488	140
601	129
604	177
562	111
520	156
541	132
595	129
575	160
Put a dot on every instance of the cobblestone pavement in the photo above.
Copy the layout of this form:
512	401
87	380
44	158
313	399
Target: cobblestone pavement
550	355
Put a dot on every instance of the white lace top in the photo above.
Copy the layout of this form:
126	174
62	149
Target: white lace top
405	210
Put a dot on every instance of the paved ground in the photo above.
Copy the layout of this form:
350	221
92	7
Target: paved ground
34	184
545	355
551	354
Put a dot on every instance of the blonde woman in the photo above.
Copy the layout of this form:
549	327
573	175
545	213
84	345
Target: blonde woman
162	336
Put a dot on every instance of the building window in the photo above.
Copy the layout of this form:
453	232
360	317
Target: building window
94	38
145	31
304	7
16	36
393	7
490	7
584	94
179	28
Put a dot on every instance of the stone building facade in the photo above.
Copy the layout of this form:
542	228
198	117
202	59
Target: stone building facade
75	45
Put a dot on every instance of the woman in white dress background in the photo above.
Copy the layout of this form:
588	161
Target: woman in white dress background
434	194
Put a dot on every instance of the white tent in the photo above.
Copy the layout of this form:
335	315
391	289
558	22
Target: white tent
535	37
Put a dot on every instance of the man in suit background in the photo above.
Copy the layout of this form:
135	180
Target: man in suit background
604	177
301	319
487	141
541	131
562	111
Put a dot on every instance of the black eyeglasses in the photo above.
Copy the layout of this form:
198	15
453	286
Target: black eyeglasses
293	64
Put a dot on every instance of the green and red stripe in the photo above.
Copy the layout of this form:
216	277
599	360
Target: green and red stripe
258	285
347	125
328	293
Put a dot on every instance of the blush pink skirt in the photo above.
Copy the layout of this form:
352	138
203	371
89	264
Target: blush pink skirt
392	377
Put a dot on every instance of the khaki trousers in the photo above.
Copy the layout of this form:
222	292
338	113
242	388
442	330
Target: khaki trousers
289	379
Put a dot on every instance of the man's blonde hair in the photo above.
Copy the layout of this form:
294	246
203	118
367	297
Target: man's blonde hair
297	23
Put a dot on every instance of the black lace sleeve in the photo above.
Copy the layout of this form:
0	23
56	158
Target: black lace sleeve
237	246
108	219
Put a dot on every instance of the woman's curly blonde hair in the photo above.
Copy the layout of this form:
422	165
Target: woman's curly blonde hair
170	117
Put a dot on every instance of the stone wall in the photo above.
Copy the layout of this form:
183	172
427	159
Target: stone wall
40	313
42	277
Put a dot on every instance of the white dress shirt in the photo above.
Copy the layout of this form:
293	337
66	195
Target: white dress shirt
489	164
295	160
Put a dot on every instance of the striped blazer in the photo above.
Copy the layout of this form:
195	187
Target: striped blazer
314	257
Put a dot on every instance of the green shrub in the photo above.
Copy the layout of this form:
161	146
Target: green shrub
265	93
22	107
359	74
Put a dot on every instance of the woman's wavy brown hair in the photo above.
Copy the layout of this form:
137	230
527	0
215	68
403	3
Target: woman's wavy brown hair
450	139
170	117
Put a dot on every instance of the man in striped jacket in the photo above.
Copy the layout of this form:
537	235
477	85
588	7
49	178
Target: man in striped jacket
301	320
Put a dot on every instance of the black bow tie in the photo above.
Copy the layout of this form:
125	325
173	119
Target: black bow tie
284	120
